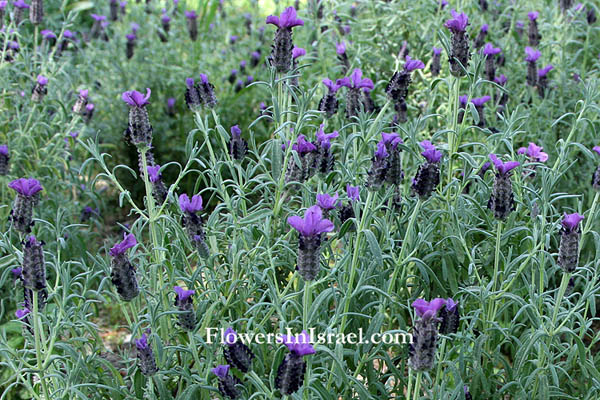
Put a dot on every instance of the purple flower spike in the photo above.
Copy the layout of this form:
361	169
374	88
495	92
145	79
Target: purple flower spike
20	4
42	80
531	55
303	146
503	167
500	80
153	173
191	14
84	93
135	27
327	202
490	50
392	139
22	313
458	23
427	309
534	152
171	102
299	345
236	132
485	28
333	87
128	242
353	192
183	294
68	34
98	18
544	71
324	139
411	64
230	336
192	206
313	223
142	343
381	151
298	52
26	187
204	78
571	221
437	51
189	82
287	19
221	371
131	37
356	81
340	48
596	149
431	154
4	150
463	100
451	304
135	98
480	101
532	15
17	272
48	34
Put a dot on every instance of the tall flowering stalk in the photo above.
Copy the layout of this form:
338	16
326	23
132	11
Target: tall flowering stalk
355	84
428	175
281	51
542	75
159	190
36	12
397	88
306	152
40	90
570	234
145	355
310	229
227	382
139	130
237	144
21	214
192	24
347	211
534	35
481	36
324	157
531	56
459	56
122	271
436	65
290	373
237	353
4	160
502	201
185	304
489	51
192	222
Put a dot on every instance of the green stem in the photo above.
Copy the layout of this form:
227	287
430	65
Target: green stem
453	134
491	301
417	394
561	294
307	299
438	372
405	244
194	349
38	345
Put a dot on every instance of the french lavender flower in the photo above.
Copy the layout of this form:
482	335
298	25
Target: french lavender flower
565	5
467	393
237	353
327	202
481	36
306	152
436	65
130	45
192	95
192	222
36	12
21	215
23	314
290	373
425	334
297	52
596	174
4	159
3	4
310	230
591	16
281	51
394	173
227	382
232	76
483	4
347	211
159	191
139	130
340	50
237	144
254	58
89	112
171	106
379	166
459	56
324	158
355	84
534	35
114	10
329	103
145	356
450	317
20	6
122	271
97	26
542	75
501	80
185	304
479	104
243	63
534	152
40	89
502	198
428	175
34	267
87	213
81	101
192	24
123	7
68	37
489	51
206	91
568	251
531	56
165	22
397	88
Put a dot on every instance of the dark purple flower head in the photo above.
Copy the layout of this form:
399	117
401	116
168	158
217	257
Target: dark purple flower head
299	345
221	371
83	93
183	294
596	149
463	100
480	101
381	151
313	223
230	336
485	28
249	79
68	34
127	243
188	205
333	87
503	167
544	71
500	80
451	304
191	14
327	202
90	107
233	39
298	52
135	27
142	343
340	48
171	102
437	51
458	23
22	312
392	139
428	309
189	82
532	15
135	98
243	64
356	81
20	4
16	272
410	64
303	146
204	78
430	153
48	34
153	173
534	152
531	54
353	192
130	37
236	132
490	50
4	150
98	18
42	80
519	24
165	19
287	19
324	139
571	221
3	4
26	187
